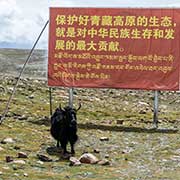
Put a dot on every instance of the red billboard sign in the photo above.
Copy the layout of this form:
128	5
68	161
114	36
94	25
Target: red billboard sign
114	47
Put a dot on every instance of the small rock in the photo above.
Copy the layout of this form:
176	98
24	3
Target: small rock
104	139
126	102
1	149
16	174
1	173
104	162
36	81
143	103
40	162
85	151
88	158
6	168
119	121
109	122
19	162
10	89
23	117
25	175
142	112
44	158
7	140
17	147
9	159
96	151
74	161
106	156
31	96
15	168
67	177
22	155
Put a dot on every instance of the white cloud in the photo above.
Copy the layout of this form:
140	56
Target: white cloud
8	10
115	3
19	26
22	20
8	7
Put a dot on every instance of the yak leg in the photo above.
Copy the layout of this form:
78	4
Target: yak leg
63	145
72	148
57	144
72	141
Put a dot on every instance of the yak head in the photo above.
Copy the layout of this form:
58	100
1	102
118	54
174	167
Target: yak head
58	115
70	115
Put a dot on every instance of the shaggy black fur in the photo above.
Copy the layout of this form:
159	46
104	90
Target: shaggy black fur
64	127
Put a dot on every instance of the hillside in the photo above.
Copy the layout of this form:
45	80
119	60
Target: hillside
12	61
134	149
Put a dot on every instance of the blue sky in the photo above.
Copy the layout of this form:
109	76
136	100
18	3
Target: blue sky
22	20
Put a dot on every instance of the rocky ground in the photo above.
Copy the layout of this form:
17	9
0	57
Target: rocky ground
114	125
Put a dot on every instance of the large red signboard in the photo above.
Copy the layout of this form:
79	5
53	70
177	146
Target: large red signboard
114	47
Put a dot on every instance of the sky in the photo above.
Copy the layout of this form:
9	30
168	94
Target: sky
21	21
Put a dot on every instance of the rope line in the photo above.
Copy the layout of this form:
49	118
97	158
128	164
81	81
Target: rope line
18	79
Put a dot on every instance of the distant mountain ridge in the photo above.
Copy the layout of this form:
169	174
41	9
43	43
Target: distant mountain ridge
12	60
11	45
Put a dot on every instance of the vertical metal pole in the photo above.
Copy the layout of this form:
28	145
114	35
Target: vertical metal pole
155	117
50	100
71	97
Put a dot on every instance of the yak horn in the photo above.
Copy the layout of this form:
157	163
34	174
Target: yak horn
79	107
60	106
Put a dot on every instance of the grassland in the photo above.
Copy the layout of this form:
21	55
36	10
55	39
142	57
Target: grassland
135	149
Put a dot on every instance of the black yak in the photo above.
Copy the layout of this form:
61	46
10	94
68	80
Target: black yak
64	127
56	124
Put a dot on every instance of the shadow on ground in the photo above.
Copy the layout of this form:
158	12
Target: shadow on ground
52	150
116	128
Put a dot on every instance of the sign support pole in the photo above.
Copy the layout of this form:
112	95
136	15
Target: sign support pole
155	117
71	97
50	100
